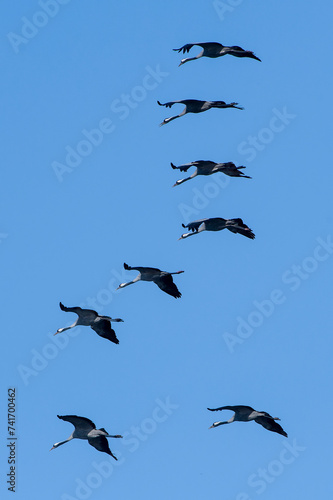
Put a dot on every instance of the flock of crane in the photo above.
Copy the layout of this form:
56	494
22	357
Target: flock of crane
85	428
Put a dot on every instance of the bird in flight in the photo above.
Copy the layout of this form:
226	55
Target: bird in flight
162	279
213	50
206	167
195	106
87	317
86	429
246	414
217	224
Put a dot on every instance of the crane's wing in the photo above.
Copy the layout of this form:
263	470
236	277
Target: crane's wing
237	408
101	444
240	52
236	47
194	226
231	170
141	269
103	328
238	226
271	425
204	164
78	310
168	104
214	46
166	284
79	422
184	167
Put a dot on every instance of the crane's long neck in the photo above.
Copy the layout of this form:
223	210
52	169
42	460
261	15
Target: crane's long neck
183	61
186	179
122	285
66	328
187	235
216	424
167	120
56	445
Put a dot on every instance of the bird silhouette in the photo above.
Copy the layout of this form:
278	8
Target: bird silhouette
206	167
217	224
195	106
162	279
246	414
87	317
86	429
213	50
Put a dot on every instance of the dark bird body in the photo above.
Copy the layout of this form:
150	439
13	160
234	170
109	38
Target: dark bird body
213	50
196	106
162	279
86	429
87	317
217	224
206	167
246	414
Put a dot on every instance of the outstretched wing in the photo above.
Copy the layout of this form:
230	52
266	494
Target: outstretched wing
183	168
271	425
237	408
103	328
194	226
166	284
238	226
231	170
101	444
81	423
214	46
237	51
168	104
236	47
78	310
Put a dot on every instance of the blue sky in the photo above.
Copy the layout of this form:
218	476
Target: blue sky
86	185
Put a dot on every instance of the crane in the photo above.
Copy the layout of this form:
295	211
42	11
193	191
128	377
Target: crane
86	429
217	224
213	50
195	106
206	167
246	414
87	317
162	279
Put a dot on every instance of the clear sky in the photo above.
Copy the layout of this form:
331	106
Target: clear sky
86	185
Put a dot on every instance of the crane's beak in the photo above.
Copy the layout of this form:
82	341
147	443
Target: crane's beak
53	447
211	427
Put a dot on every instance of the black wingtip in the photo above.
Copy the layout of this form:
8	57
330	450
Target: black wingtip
183	225
158	102
173	166
61	305
126	266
